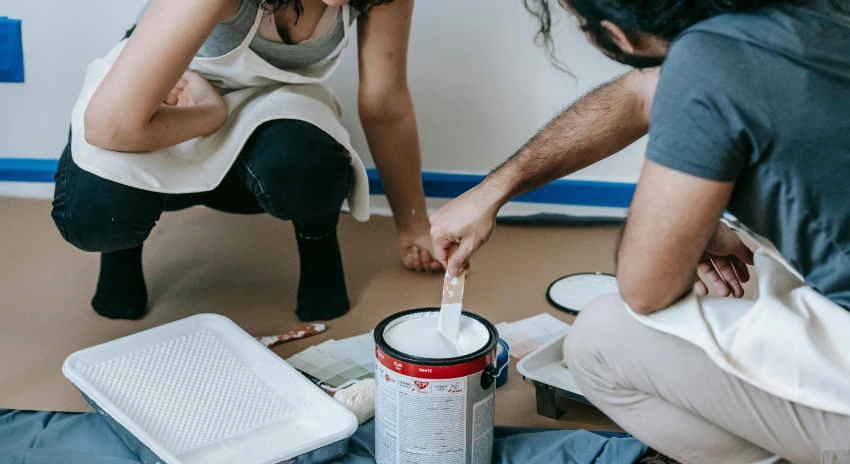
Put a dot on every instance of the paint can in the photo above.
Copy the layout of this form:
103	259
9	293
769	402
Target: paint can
434	405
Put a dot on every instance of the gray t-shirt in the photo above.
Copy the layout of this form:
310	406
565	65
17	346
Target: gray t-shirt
227	36
763	99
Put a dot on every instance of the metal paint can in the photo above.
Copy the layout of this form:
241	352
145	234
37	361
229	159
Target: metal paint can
434	410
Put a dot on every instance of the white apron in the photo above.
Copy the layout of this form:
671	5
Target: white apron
790	341
258	92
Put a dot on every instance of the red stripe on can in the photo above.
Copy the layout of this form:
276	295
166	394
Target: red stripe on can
435	372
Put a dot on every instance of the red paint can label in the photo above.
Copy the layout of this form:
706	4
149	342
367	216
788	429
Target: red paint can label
435	372
421	413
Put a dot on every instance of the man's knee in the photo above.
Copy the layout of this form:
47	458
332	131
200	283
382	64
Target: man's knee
301	168
595	336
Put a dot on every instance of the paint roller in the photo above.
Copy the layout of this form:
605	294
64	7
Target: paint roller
358	396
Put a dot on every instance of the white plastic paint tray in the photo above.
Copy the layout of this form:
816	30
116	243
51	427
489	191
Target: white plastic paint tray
553	382
201	390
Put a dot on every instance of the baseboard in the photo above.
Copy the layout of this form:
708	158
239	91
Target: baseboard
437	185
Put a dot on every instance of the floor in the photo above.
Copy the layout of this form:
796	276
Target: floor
245	267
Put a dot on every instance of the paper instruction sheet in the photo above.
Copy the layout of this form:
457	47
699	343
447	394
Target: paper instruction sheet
526	335
338	361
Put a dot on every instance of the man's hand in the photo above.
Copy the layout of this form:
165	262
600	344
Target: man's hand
468	220
673	228
724	264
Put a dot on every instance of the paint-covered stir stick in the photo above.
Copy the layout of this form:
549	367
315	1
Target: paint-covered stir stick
452	305
303	332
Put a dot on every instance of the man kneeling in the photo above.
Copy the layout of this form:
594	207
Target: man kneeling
749	114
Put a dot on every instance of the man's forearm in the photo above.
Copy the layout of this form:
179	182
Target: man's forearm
601	123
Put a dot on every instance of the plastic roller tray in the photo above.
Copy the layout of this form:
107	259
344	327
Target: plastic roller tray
555	387
201	390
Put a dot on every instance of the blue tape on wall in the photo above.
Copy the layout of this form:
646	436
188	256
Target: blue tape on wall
27	170
437	185
11	50
559	192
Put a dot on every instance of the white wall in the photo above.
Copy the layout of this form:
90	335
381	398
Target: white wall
60	38
480	86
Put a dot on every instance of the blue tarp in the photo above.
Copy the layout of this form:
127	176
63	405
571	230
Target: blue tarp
48	437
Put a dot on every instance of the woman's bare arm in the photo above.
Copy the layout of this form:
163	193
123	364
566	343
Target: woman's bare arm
386	111
127	112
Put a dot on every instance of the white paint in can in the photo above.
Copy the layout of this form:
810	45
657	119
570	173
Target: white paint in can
418	336
431	402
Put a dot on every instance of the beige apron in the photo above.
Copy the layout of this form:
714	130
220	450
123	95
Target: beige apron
790	341
255	92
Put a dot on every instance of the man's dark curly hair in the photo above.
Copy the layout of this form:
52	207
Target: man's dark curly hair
359	5
660	18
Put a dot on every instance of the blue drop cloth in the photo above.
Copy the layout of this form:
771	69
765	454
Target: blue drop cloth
28	437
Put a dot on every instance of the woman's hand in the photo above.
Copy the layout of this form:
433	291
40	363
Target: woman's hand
724	264
193	90
126	112
414	244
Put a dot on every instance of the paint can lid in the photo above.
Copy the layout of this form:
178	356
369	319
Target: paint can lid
574	292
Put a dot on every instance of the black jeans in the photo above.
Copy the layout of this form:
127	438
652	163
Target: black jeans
289	169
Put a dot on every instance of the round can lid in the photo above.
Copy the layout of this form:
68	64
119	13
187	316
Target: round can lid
574	292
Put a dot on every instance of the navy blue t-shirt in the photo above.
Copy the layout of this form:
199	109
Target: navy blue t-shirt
763	99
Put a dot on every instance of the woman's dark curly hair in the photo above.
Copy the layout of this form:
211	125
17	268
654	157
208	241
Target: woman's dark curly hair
359	5
660	18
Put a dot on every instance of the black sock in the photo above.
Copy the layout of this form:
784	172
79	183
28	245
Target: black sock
121	291
321	289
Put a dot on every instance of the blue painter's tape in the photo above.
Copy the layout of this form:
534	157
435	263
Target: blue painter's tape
11	50
27	170
437	185
559	192
502	359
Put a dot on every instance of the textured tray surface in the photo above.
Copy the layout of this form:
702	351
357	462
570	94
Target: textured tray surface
187	392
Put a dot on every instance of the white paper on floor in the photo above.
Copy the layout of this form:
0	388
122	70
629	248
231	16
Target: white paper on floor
338	361
526	335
